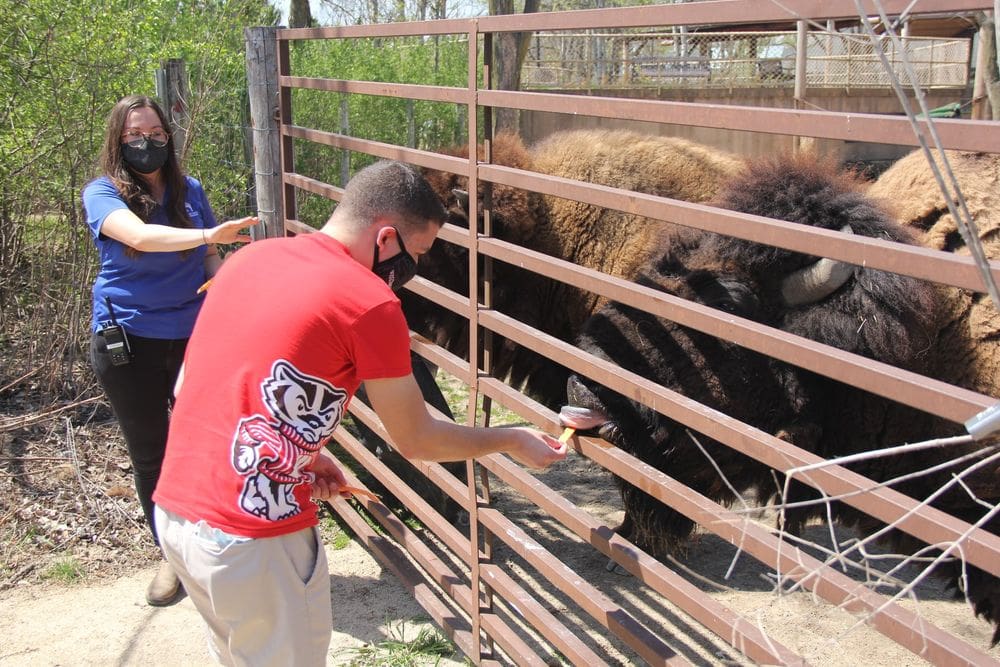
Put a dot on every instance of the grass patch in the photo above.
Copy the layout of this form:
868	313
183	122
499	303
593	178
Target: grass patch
334	533
427	648
456	393
64	571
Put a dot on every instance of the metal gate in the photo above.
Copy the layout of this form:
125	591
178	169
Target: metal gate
544	607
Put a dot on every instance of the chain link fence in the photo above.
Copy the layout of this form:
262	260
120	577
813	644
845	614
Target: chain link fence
736	59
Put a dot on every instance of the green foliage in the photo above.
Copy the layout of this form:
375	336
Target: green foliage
456	393
63	65
439	61
334	532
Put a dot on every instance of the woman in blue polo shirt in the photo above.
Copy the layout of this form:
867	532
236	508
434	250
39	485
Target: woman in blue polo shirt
156	235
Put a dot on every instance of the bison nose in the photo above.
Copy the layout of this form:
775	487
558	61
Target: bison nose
585	410
582	419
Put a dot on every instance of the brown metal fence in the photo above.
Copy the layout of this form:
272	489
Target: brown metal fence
498	616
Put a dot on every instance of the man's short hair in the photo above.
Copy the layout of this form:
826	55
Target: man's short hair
395	190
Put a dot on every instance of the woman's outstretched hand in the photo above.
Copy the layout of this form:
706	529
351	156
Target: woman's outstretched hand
229	231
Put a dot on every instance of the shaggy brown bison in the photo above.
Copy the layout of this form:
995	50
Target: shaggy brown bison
610	241
880	315
969	349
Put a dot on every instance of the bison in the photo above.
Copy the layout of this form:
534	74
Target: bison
969	349
607	240
884	316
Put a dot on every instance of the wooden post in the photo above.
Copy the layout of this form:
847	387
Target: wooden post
801	46
980	101
172	89
262	87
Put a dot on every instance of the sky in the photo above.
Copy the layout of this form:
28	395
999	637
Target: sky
457	8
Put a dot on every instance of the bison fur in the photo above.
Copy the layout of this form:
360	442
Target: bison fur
614	242
969	349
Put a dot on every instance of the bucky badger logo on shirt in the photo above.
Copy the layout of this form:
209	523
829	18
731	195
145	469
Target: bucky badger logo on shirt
272	452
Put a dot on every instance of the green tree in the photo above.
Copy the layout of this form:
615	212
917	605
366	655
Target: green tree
426	125
62	67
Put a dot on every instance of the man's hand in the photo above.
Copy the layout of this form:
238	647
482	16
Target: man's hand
330	481
535	449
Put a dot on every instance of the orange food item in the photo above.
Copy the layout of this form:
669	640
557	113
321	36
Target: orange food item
356	491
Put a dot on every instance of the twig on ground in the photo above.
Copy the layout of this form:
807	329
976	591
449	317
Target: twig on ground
34	458
20	574
17	381
71	443
21	422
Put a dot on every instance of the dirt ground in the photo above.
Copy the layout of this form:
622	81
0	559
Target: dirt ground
820	633
109	623
106	621
65	500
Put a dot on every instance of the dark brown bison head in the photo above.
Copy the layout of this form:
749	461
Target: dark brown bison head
514	217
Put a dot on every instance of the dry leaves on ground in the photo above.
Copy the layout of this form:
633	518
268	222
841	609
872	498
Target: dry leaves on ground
67	502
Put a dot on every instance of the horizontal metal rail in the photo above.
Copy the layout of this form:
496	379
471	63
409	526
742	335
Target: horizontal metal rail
968	135
404	90
597	604
379	149
932	396
717	12
929	524
713	13
911	260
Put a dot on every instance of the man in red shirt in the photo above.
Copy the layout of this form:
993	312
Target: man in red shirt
268	372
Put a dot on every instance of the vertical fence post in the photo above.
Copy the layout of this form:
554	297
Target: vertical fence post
172	89
345	128
980	101
801	45
262	88
411	124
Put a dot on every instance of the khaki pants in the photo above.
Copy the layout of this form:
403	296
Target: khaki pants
266	601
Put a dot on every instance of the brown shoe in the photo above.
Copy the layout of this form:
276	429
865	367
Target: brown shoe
165	587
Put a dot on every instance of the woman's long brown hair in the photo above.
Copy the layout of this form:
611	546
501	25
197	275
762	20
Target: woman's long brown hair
130	186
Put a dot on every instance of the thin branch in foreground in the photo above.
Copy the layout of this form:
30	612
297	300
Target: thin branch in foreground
21	422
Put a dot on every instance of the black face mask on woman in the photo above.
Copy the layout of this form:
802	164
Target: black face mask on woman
398	269
145	157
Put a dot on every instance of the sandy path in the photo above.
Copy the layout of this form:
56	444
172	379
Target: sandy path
109	623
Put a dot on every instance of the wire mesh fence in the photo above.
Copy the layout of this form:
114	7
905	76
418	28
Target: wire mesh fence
603	59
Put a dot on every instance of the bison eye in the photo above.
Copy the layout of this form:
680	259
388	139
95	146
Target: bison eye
727	294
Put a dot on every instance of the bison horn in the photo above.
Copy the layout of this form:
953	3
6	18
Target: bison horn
463	198
816	281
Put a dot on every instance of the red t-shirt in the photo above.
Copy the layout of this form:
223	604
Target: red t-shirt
288	331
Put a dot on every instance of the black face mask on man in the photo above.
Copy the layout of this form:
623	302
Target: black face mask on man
145	156
398	269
